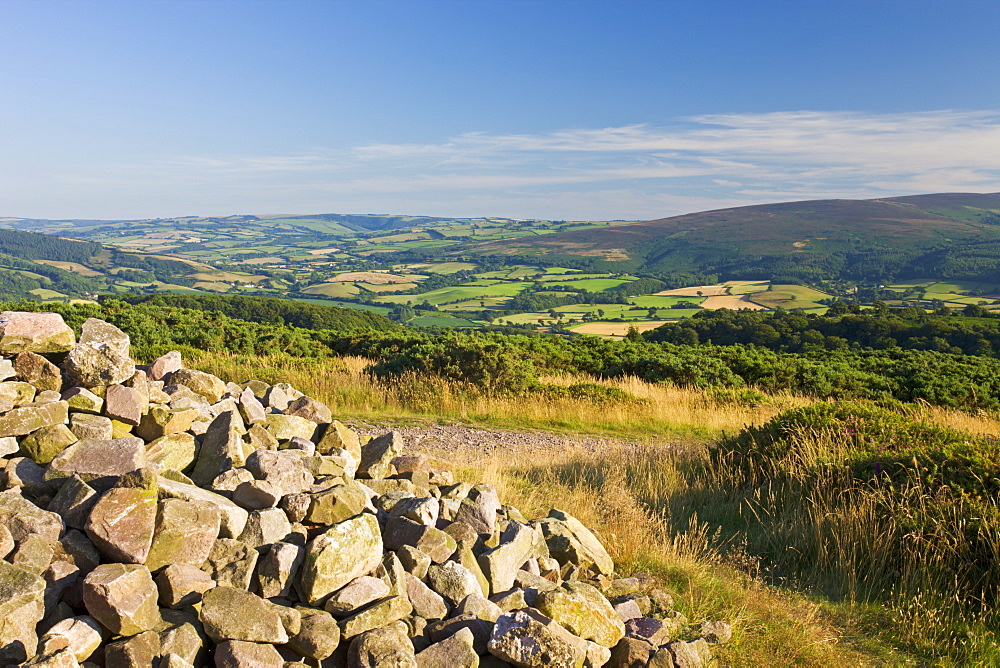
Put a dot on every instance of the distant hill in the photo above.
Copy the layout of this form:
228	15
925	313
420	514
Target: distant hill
949	235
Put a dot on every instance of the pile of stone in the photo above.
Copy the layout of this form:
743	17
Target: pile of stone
158	516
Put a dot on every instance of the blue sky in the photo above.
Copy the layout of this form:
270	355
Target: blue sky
564	109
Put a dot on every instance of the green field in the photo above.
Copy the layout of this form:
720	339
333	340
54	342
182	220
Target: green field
790	296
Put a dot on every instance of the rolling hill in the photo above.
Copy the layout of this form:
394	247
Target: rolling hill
951	235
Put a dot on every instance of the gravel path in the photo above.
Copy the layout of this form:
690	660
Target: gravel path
452	438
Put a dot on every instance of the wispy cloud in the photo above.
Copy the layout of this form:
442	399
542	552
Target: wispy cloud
628	172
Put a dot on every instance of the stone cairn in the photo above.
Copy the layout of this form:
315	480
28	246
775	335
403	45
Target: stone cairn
158	516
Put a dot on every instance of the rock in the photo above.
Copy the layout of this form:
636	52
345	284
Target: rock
257	495
100	463
100	357
385	647
583	611
250	407
94	427
122	597
6	542
433	542
35	369
80	635
8	446
694	654
655	631
43	445
278	569
164	365
479	509
423	510
82	400
453	581
716	632
185	533
569	541
231	563
228	613
162	421
26	419
6	369
34	332
276	399
376	615
221	448
16	393
23	518
125	404
284	468
425	601
310	409
122	522
631	653
181	585
377	454
265	527
345	551
414	561
181	635
339	437
501	564
232	518
318	638
455	651
21	608
240	654
33	554
528	638
286	427
59	659
211	388
355	595
174	452
140	650
335	504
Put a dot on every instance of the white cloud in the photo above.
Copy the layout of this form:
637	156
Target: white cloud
628	172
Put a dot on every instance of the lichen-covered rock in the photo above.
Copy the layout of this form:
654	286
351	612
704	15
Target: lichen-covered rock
164	365
455	651
125	404
203	384
34	332
174	452
584	611
122	522
345	551
377	455
35	369
570	541
376	615
278	568
185	532
530	639
181	585
102	464
26	419
43	445
500	565
23	518
453	581
21	608
386	647
232	518
242	654
355	595
142	649
228	613
221	448
122	597
231	563
89	426
318	637
160	421
80	635
101	357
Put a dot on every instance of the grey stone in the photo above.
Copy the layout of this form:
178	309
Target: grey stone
100	357
345	551
528	638
377	454
278	569
453	581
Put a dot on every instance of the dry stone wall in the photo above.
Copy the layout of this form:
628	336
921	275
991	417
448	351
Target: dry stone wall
158	516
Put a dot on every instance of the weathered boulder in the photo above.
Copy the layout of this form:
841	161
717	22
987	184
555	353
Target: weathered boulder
35	369
455	651
345	551
528	638
122	522
386	647
34	332
21	608
88	426
376	615
185	532
231	563
80	635
125	404
229	613
355	595
100	463
285	427
570	541
100	357
32	417
182	585
242	654
310	409
584	611
203	384
377	454
278	569
318	636
500	565
82	400
174	452
23	518
453	581
221	448
122	597
232	518
164	365
44	444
